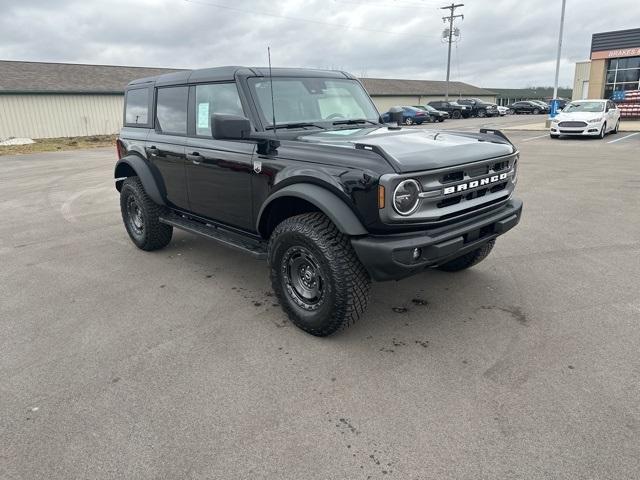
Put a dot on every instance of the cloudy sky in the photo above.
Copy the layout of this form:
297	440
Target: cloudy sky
503	43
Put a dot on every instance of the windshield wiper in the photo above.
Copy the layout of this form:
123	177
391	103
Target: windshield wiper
295	125
354	121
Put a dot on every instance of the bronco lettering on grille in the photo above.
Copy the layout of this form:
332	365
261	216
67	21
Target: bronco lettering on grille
474	184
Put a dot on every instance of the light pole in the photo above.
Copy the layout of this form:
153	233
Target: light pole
554	101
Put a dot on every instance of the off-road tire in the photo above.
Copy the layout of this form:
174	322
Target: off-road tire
469	259
456	114
153	235
345	281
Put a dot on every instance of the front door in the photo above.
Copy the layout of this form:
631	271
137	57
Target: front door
218	171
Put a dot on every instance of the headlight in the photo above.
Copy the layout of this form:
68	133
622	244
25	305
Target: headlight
406	197
594	120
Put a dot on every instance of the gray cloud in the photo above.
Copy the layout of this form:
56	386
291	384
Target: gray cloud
504	43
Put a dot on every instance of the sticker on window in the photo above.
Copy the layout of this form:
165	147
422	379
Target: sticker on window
203	115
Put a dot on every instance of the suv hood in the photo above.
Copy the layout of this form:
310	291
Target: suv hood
412	150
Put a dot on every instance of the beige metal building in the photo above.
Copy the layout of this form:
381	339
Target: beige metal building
44	100
41	100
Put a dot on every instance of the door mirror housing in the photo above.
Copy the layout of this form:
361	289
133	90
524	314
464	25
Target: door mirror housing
230	127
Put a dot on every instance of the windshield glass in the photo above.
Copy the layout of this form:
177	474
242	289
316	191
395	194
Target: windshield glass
312	100
584	107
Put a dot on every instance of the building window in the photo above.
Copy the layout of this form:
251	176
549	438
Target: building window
622	74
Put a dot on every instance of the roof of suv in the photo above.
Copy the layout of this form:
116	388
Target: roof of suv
229	73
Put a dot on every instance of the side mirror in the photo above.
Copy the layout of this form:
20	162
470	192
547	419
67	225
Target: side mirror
230	127
396	115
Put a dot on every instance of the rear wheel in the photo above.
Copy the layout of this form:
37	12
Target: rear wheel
615	130
408	121
456	114
536	111
141	217
469	259
316	275
482	113
510	111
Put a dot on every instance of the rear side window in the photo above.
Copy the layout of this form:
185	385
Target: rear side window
171	110
215	98
136	110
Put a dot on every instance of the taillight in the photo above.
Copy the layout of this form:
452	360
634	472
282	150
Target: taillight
120	150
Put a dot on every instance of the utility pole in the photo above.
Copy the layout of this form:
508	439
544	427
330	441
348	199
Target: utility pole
554	102
450	19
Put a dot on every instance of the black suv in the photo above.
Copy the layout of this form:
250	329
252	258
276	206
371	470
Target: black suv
526	106
295	166
480	108
455	110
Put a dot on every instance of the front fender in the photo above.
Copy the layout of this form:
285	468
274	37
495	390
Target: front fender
134	165
329	203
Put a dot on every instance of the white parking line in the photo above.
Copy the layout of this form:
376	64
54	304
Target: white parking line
533	138
626	136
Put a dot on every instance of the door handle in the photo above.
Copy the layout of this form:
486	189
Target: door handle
195	157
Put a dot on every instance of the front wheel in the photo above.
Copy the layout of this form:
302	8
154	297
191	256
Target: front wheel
316	275
408	121
536	111
603	131
482	113
469	259
141	217
456	114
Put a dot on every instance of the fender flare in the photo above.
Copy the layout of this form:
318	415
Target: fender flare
327	202
143	171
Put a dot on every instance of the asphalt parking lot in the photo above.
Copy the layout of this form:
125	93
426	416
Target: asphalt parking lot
178	364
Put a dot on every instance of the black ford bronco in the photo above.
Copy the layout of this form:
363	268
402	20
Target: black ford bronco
296	166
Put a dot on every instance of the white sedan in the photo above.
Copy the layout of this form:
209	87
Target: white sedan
503	110
593	118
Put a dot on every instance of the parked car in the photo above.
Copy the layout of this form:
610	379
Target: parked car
527	106
480	108
436	115
410	116
542	104
586	118
293	166
503	110
455	110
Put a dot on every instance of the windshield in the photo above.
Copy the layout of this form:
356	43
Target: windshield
584	107
312	101
430	108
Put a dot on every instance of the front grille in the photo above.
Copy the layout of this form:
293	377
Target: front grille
572	124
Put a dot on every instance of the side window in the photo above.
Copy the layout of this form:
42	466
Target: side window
215	98
171	110
136	110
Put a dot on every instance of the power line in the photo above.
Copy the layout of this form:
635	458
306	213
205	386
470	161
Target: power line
297	19
450	19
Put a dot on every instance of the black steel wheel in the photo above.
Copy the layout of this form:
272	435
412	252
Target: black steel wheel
316	275
141	215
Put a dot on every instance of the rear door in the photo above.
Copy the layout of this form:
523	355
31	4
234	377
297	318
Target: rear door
165	145
218	171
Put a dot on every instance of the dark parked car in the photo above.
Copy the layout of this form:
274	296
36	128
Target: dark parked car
295	167
410	116
480	108
455	110
436	115
561	103
527	107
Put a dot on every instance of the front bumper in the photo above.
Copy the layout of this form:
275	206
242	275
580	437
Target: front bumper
592	129
389	257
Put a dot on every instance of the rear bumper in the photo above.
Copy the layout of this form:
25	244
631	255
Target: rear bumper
389	257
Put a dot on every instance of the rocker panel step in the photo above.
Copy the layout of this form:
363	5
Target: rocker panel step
256	248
